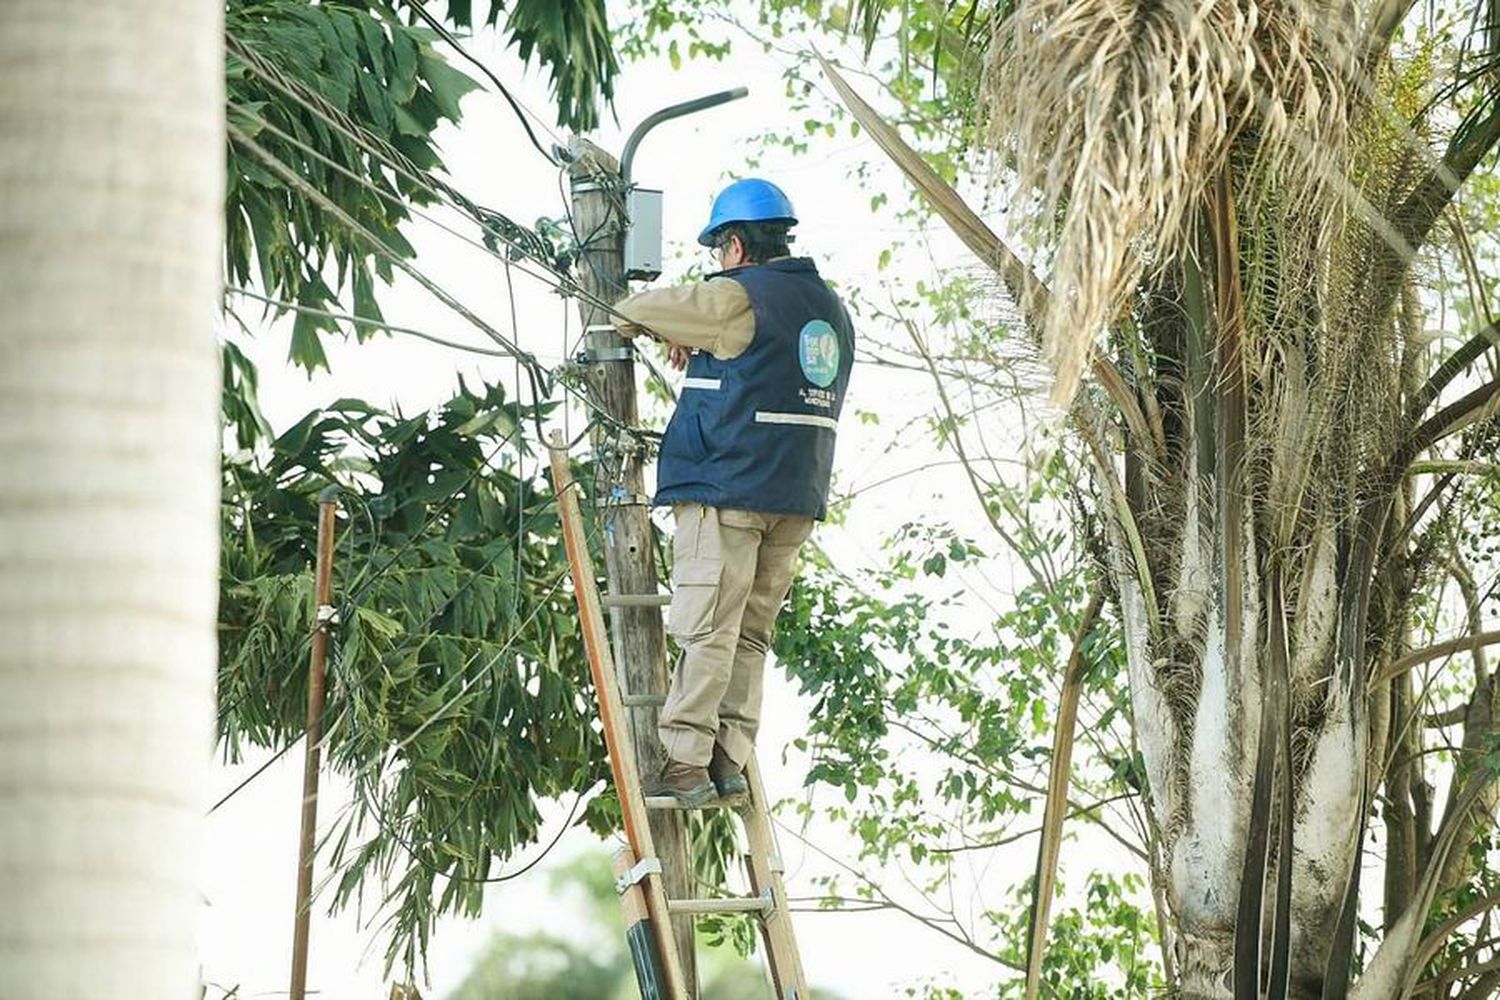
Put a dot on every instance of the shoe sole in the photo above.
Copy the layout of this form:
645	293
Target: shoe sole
733	786
695	797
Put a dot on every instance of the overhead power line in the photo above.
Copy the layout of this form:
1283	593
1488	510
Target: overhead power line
515	105
543	379
327	204
528	250
366	321
493	223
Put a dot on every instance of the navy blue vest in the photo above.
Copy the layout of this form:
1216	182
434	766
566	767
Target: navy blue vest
757	432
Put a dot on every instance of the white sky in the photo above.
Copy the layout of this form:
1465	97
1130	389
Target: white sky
248	868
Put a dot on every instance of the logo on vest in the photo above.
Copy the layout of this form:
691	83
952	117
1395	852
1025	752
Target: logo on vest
819	353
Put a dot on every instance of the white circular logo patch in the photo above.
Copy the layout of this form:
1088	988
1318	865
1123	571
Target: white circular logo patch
819	353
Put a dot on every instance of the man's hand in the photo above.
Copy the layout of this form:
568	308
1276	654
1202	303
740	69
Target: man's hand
677	356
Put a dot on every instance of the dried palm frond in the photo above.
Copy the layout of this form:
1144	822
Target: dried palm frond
1116	115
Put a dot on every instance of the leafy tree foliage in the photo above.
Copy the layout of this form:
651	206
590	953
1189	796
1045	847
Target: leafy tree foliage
457	695
935	739
332	109
326	89
572	38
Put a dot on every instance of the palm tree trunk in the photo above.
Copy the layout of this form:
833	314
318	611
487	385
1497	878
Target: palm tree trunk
111	179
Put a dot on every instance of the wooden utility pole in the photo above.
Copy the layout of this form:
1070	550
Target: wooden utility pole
639	641
316	698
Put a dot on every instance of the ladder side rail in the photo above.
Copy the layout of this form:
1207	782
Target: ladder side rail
640	935
764	867
611	712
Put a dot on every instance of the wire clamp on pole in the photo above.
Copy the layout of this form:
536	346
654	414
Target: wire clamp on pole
637	874
327	615
594	355
620	498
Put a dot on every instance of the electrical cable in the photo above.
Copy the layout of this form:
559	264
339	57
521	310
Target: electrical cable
520	238
565	283
367	321
401	204
350	604
610	186
493	223
515	105
291	176
513	351
540	376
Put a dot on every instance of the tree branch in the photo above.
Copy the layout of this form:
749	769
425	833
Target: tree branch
932	923
1434	941
1451	717
1038	575
1427	201
1384	21
1451	418
1058	779
1463	972
1452	366
1014	782
1011	838
1460	644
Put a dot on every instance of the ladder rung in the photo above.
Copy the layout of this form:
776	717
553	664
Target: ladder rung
635	600
643	700
668	802
732	904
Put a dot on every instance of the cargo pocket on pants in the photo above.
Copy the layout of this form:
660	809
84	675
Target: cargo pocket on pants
695	597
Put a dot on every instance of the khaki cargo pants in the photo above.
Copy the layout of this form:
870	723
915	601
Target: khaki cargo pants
731	571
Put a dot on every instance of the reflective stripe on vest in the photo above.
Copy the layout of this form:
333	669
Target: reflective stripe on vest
803	419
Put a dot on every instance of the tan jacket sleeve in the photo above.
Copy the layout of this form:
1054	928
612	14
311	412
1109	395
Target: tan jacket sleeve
712	315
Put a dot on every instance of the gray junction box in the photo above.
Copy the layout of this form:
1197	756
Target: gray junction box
642	234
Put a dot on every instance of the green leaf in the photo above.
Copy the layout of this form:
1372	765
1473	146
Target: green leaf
403	80
446	85
306	350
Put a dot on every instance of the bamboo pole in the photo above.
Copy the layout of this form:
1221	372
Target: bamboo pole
316	696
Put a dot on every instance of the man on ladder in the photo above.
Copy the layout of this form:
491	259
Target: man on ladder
745	465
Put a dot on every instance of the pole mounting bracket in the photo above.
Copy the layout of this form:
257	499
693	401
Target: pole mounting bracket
622	498
592	355
637	874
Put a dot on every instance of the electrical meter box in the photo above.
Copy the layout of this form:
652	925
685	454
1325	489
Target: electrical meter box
643	234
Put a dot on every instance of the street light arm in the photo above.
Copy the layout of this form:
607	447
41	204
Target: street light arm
665	114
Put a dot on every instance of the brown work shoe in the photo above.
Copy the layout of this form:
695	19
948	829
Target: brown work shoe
689	785
728	777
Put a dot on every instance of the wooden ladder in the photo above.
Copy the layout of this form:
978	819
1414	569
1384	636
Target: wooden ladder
638	870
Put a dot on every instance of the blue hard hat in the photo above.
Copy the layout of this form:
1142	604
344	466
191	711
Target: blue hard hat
749	200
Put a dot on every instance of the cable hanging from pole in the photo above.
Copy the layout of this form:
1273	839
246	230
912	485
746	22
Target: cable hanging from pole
542	378
522	240
515	105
